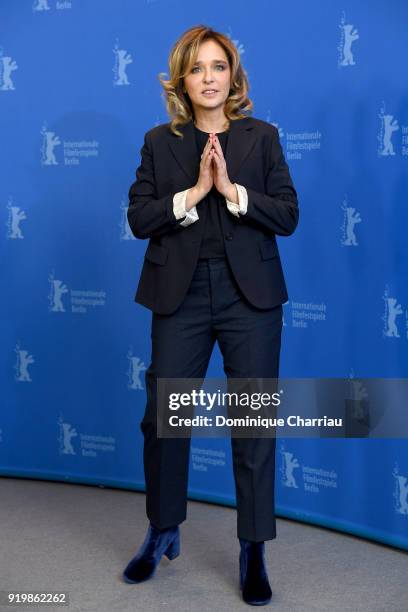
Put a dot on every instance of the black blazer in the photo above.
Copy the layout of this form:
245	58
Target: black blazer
170	164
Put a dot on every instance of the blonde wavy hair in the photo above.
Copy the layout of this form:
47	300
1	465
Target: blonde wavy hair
181	60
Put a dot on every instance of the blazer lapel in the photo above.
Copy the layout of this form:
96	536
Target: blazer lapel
241	139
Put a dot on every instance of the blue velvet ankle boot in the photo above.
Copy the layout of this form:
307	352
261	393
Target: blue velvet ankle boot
157	542
253	581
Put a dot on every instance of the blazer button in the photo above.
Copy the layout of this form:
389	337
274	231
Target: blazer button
228	236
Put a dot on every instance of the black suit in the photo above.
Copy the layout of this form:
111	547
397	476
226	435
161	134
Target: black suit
236	301
169	164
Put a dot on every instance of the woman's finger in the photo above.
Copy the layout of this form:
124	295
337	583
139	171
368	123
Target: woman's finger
218	147
206	150
209	157
207	147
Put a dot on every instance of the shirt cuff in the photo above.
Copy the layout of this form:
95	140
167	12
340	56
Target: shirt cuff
241	207
179	209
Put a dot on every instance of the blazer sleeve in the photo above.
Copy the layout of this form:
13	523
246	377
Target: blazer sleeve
277	210
148	215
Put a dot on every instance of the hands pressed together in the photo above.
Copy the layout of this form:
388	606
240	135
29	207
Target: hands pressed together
213	171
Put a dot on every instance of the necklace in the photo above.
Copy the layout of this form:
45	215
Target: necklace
198	128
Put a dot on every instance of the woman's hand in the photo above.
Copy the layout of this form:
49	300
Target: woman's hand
221	179
205	179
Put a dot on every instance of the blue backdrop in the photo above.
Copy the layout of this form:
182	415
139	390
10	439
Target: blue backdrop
78	90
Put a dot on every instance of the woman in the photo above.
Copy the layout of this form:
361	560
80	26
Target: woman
212	191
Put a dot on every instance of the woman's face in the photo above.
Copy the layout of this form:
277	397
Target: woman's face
211	71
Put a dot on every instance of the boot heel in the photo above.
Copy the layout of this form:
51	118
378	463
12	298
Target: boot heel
143	565
173	550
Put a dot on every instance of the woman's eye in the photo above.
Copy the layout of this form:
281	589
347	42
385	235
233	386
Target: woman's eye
218	66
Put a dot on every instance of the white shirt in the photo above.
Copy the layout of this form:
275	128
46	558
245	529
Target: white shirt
179	206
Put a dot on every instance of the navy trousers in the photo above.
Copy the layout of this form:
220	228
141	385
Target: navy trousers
249	340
